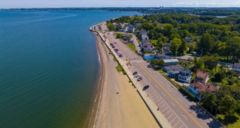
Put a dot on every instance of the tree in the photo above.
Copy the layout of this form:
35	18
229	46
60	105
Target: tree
219	76
210	61
206	44
233	48
199	64
176	42
182	49
209	101
110	26
227	105
168	30
220	48
159	46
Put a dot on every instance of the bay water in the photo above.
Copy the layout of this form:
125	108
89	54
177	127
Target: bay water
48	66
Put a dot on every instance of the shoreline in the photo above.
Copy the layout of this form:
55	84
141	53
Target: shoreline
89	123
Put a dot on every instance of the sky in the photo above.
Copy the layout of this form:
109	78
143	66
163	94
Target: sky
117	3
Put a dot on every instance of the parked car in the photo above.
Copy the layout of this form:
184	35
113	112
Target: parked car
139	78
116	50
145	87
134	73
120	55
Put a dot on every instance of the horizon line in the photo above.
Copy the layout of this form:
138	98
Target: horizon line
120	7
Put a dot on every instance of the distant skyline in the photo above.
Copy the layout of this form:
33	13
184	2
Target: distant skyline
117	3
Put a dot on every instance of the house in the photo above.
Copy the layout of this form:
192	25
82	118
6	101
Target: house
170	61
145	43
197	88
236	67
201	76
185	76
185	58
147	47
172	70
130	28
144	36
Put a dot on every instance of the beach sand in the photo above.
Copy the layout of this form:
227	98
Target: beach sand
118	103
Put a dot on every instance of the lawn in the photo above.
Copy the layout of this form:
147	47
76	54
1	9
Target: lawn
230	122
132	47
235	124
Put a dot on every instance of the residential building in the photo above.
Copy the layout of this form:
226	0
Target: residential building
172	70
130	28
202	76
145	45
170	61
197	88
185	76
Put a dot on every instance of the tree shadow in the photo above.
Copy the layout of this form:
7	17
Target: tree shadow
215	124
229	119
201	114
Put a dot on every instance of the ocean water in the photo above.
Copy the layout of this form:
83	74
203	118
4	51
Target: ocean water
48	66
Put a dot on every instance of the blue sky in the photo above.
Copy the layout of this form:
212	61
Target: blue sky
117	3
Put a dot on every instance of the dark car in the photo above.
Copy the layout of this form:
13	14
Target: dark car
145	87
139	78
115	49
120	55
134	73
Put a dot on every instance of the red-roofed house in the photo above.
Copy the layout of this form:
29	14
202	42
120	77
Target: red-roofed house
202	76
197	88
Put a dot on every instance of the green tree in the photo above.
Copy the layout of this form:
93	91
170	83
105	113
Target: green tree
210	61
159	46
233	49
182	48
227	105
176	42
209	101
110	26
206	44
199	64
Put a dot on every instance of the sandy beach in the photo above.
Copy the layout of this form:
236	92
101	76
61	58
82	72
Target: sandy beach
118	103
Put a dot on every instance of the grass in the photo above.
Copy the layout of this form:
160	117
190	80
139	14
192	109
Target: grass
153	42
230	122
120	69
235	125
132	47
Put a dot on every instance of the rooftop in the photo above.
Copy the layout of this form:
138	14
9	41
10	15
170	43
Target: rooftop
201	87
170	60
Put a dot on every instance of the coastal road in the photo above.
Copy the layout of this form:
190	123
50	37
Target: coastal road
119	105
174	106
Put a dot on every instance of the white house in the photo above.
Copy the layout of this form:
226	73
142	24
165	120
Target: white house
185	76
